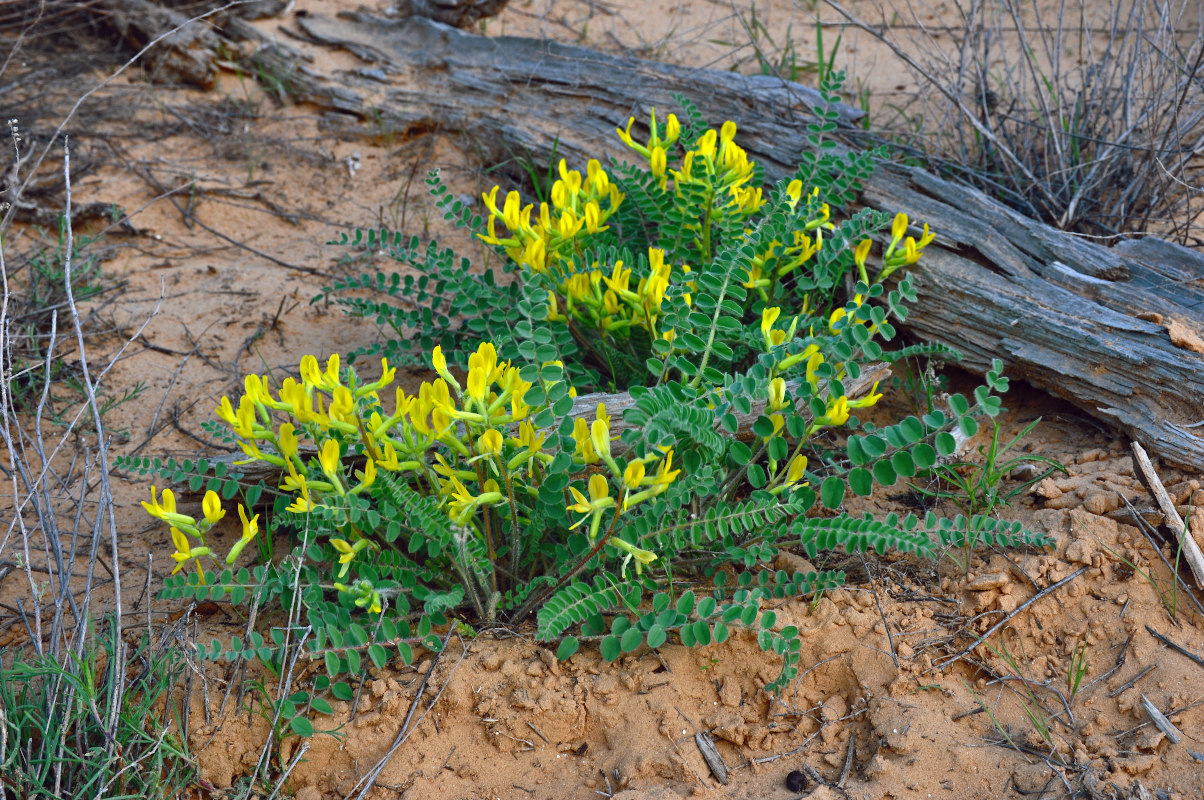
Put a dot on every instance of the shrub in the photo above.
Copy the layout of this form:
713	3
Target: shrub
497	490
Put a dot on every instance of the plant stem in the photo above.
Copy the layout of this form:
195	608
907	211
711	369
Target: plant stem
536	601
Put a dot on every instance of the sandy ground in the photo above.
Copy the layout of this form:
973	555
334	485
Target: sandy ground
231	200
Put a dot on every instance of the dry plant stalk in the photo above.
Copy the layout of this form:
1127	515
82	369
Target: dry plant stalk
1086	119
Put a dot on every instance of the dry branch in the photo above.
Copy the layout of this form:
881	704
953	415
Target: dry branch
1060	311
1149	479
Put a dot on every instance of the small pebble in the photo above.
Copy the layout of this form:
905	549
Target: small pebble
796	781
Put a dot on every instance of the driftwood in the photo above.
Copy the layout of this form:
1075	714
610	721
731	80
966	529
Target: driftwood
1115	331
188	52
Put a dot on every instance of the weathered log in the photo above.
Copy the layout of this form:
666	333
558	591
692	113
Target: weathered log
187	55
1085	322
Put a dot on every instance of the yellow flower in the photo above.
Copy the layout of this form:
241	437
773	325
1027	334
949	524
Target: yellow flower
250	527
183	549
599	500
777	394
295	398
390	461
212	506
795	469
860	253
898	229
342	406
596	177
477	384
166	510
657	163
794	190
640	555
837	413
303	503
346	554
366	478
768	317
672	130
727	132
633	475
625	135
329	459
795	472
600	437
490	442
842	313
225	412
323	380
585	446
440	364
873	397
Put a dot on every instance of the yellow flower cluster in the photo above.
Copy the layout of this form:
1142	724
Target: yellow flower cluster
777	260
609	303
185	528
547	243
456	437
636	480
903	251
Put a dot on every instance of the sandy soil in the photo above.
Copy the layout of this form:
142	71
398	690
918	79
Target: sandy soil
231	199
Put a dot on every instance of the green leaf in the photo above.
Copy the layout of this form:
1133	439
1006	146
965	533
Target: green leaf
631	640
913	429
831	492
721	632
321	706
861	481
301	726
740	452
568	646
945	444
611	647
924	455
656	636
884	473
378	654
685	603
903	464
342	691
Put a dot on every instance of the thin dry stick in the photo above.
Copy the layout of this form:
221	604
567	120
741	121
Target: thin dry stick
1148	531
1149	479
1176	647
7	220
967	113
406	729
994	628
1160	720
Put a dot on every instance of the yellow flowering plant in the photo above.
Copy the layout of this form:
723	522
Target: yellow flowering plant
496	492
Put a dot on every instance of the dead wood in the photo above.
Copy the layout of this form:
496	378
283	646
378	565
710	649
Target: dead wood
188	55
1062	312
